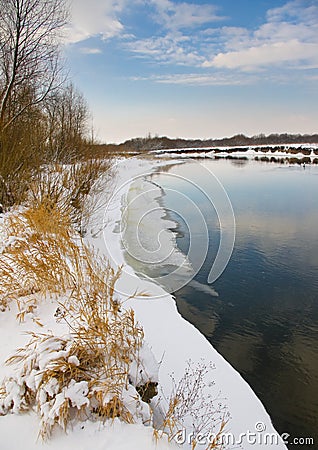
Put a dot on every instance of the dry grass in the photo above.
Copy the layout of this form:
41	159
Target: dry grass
38	253
41	247
49	258
75	189
96	357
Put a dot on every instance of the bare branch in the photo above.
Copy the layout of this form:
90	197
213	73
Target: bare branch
29	52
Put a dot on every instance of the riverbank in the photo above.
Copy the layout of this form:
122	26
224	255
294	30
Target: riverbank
173	341
291	154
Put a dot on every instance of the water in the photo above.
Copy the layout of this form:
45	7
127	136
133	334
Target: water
265	318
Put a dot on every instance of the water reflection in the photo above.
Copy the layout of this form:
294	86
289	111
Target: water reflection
265	319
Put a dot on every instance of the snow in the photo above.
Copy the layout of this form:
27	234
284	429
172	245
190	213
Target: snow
18	432
248	152
170	341
73	360
148	371
77	393
173	340
256	147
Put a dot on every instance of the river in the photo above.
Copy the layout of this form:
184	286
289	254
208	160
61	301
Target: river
261	313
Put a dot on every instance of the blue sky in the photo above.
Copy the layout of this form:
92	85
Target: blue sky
196	68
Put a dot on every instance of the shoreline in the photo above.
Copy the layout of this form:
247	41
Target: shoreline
172	339
292	154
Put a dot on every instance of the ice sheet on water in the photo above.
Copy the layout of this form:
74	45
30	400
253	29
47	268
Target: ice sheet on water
148	235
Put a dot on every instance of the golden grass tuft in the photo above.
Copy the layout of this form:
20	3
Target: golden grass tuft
37	259
49	258
73	188
42	246
104	341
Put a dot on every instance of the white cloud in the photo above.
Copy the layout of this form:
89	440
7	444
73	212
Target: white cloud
175	43
102	17
288	38
94	18
302	10
90	51
267	54
178	16
285	31
171	48
197	79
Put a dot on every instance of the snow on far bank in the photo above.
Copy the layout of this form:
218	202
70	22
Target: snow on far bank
240	147
281	152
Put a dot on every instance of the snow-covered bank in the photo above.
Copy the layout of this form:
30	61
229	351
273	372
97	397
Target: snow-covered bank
21	431
29	395
173	340
288	153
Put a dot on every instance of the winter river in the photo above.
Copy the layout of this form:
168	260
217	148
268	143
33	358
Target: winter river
261	313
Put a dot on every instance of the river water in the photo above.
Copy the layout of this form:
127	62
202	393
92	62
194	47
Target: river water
261	314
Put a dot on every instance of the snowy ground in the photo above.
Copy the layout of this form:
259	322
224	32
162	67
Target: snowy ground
173	341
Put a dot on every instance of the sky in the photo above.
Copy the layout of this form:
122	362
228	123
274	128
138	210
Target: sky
195	68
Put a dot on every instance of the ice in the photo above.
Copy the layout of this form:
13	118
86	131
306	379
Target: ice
146	237
146	231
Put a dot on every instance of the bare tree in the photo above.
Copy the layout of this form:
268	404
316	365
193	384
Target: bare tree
29	54
67	121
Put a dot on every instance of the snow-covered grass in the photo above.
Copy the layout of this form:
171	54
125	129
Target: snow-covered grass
37	244
98	366
93	350
89	361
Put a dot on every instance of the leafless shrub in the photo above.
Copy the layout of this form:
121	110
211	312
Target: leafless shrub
190	408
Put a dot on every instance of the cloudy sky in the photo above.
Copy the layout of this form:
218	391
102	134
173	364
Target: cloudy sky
196	68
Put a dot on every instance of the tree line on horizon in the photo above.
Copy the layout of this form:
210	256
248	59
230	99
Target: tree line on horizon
149	143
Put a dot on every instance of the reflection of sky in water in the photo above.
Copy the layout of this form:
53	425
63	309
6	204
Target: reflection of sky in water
265	320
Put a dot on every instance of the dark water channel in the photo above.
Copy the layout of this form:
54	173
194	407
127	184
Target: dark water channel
265	318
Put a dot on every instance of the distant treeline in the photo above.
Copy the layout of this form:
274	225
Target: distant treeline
156	143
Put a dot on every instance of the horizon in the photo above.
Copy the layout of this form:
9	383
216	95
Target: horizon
196	68
223	138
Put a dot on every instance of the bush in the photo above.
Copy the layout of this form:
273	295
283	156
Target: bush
98	369
72	189
191	409
21	155
38	254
